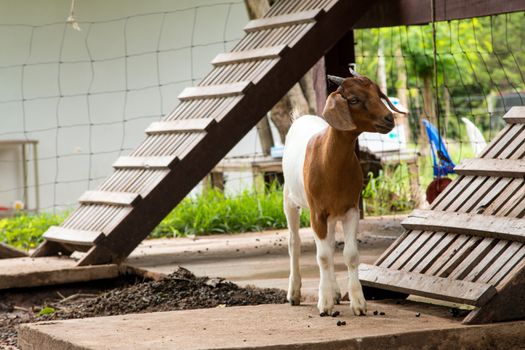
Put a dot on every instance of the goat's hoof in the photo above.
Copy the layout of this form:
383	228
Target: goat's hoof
294	302
358	306
323	314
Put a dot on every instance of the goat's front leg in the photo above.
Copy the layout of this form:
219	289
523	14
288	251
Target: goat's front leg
331	235
293	213
325	260
351	257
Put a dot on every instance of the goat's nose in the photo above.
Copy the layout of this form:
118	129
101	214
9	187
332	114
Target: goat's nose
389	118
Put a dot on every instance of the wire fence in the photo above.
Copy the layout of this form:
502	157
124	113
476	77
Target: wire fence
88	96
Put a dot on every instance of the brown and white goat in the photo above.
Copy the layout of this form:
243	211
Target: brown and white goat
322	173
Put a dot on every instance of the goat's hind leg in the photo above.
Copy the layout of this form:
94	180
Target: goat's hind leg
292	213
325	260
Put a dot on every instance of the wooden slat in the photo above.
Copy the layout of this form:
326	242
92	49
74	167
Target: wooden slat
456	257
112	198
498	264
511	229
431	256
492	167
214	91
262	53
473	259
410	251
402	246
180	126
515	115
462	292
423	251
448	254
488	260
145	162
508	266
283	20
70	236
7	252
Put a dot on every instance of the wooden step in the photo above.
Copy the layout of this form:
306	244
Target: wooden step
127	162
262	53
180	126
498	227
492	167
462	292
283	20
111	198
70	236
515	115
214	91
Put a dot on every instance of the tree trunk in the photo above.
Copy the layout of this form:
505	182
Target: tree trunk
428	113
402	92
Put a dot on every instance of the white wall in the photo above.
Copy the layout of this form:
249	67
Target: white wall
87	96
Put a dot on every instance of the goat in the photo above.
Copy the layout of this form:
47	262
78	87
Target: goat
322	173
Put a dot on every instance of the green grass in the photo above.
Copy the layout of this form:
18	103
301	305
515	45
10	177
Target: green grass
216	212
25	231
208	213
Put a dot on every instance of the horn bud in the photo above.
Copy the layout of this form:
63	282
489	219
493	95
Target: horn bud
335	79
353	72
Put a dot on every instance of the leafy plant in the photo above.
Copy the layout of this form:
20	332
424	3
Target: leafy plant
389	192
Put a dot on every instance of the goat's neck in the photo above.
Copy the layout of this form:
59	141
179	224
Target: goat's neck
341	145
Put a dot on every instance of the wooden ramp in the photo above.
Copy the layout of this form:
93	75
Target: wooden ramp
209	120
470	247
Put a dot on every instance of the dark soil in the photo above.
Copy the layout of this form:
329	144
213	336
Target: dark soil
180	290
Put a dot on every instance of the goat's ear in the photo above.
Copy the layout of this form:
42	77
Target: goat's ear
337	113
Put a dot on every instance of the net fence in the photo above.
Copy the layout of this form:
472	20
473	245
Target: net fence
88	96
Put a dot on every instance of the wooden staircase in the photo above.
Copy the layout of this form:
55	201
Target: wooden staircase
210	119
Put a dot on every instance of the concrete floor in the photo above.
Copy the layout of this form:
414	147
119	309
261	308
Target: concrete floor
272	327
261	259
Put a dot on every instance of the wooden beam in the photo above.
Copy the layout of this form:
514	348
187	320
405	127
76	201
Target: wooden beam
462	292
71	236
127	162
283	20
180	126
111	198
511	229
515	115
262	53
388	13
7	251
214	91
492	167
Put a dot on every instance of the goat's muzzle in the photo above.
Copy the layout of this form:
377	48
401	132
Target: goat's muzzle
386	125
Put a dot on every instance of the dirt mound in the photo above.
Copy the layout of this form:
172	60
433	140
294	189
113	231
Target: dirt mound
180	290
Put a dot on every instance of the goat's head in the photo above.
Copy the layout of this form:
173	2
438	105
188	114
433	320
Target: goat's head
357	105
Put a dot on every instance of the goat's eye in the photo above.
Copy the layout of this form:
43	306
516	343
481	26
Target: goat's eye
353	100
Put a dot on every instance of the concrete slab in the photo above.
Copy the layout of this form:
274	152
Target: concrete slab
273	327
259	259
31	272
